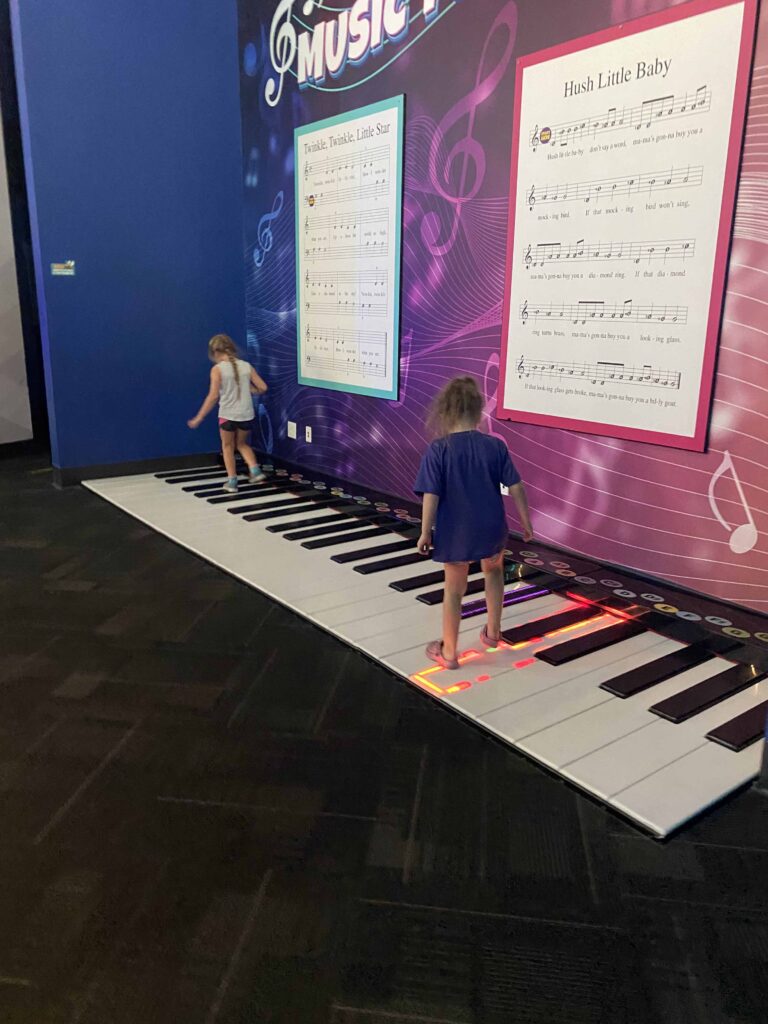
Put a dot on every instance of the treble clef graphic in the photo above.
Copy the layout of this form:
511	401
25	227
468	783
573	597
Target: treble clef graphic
532	197
467	152
282	49
521	366
524	312
535	137
264	231
491	392
528	256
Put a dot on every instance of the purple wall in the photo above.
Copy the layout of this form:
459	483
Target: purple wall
635	505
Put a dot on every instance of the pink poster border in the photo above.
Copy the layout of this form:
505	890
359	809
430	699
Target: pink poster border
696	7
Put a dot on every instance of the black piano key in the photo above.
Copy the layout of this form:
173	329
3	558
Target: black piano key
257	517
209	474
436	596
540	627
248	487
296	524
169	474
344	538
208	488
326	531
569	650
382	549
254	492
746	728
705	695
417	582
389	563
300	500
511	597
627	684
244	491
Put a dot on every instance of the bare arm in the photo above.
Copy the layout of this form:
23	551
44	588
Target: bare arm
428	517
520	499
210	399
258	386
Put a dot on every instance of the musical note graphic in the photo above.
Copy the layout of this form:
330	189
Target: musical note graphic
601	372
362	353
363	293
264	231
661	108
741	538
581	251
282	49
252	171
345	235
406	352
590	309
490	393
466	154
355	177
609	188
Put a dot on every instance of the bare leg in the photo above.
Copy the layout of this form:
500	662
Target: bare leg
455	589
245	449
493	570
228	451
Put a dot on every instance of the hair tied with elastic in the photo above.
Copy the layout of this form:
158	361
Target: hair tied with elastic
222	344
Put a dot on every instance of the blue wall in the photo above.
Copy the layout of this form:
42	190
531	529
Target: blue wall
131	117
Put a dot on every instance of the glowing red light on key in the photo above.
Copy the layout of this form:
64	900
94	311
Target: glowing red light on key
463	685
482	679
524	663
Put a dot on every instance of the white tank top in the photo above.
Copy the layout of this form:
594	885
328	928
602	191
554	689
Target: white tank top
232	407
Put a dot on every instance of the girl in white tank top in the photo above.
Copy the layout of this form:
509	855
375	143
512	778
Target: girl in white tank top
233	384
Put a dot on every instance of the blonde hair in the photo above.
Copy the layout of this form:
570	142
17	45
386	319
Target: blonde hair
459	401
222	344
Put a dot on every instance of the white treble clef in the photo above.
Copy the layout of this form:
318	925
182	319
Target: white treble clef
282	49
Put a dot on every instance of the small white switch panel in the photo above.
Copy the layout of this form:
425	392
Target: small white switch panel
291	430
308	434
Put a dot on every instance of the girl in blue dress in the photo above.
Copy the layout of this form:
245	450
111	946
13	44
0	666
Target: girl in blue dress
463	515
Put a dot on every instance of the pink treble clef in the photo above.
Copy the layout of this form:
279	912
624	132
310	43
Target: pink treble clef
467	152
491	392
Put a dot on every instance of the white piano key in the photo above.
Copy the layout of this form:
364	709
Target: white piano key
617	765
412	659
350	591
578	735
671	796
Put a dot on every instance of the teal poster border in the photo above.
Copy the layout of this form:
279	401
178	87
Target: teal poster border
395	103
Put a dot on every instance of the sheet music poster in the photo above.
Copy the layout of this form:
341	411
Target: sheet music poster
624	170
348	228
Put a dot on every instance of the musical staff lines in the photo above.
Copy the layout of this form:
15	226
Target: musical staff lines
610	188
600	373
347	235
334	164
544	253
347	293
349	178
588	310
343	351
644	115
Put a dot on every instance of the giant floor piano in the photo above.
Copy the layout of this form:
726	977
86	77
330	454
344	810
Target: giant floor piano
650	699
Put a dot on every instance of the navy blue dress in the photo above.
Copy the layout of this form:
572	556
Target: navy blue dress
466	470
